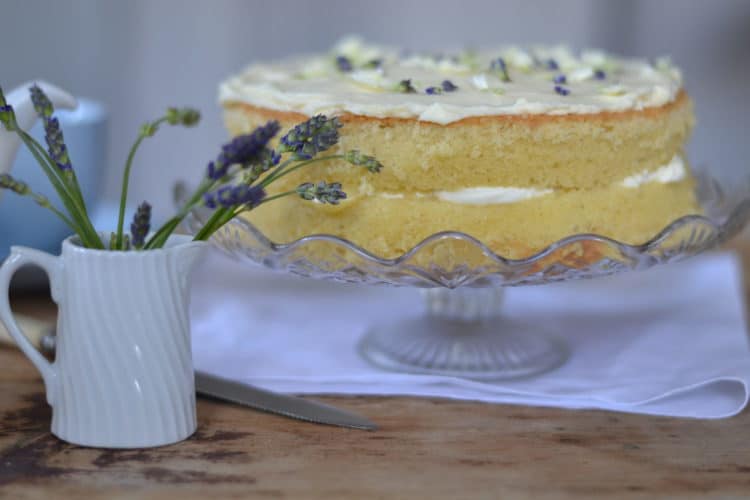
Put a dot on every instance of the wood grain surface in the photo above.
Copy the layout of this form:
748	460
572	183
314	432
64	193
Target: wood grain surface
424	449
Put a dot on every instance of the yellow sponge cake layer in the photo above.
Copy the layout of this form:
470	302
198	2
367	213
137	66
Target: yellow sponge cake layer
546	151
390	227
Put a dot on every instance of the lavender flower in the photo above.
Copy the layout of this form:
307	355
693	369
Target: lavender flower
53	135
250	196
268	159
58	151
561	90
187	117
560	79
235	196
309	138
600	74
21	188
322	192
433	90
552	65
209	200
113	242
7	115
149	129
243	149
42	104
141	225
373	64
499	66
10	183
369	162
448	86
344	64
405	87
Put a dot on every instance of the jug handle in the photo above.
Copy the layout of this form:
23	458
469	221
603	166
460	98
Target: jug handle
19	257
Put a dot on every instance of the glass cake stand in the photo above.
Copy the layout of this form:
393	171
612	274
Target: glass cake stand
463	332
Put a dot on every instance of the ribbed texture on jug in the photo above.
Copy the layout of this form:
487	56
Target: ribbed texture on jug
123	351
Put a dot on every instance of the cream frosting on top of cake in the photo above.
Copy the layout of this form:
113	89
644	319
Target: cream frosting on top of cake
378	81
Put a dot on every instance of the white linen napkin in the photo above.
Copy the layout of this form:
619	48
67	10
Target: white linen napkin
667	341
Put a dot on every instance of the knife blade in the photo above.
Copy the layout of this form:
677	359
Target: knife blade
280	404
248	395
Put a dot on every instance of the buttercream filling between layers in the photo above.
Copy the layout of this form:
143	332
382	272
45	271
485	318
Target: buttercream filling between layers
672	172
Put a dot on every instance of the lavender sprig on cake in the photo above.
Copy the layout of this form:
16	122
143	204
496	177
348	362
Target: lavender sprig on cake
303	142
244	150
309	138
322	192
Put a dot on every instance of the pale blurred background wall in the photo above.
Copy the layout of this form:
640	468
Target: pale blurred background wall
139	56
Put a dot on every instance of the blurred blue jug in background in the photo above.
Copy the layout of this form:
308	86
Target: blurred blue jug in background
22	222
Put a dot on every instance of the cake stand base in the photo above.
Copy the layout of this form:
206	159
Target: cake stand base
463	335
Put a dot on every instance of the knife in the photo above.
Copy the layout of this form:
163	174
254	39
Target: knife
280	404
229	390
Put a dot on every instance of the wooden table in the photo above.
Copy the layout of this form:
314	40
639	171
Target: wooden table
424	449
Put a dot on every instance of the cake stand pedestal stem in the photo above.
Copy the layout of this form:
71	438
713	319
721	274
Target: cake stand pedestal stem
463	334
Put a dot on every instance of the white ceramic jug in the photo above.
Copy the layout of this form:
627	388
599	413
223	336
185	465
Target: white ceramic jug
123	371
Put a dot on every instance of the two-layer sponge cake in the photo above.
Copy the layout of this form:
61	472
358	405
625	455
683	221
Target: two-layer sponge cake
516	147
